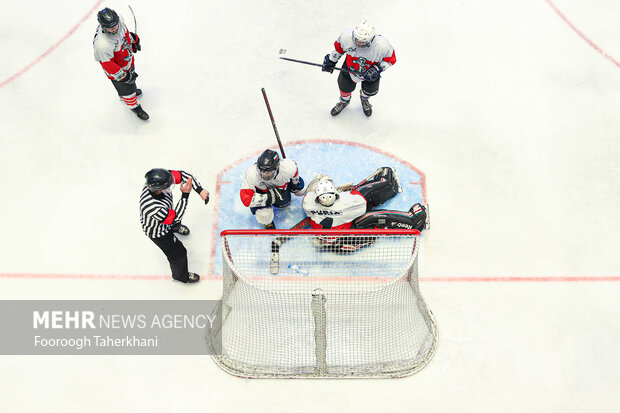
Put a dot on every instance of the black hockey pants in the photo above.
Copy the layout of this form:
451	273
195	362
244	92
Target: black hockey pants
176	254
347	85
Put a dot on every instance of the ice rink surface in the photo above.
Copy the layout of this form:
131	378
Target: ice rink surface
509	109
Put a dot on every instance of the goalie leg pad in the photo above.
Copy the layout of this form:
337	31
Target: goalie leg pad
415	218
381	187
419	216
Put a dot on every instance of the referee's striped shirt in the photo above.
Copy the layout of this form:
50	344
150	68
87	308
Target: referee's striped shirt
156	212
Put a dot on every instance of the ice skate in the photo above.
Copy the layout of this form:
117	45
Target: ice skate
271	225
366	106
192	278
340	106
180	229
140	112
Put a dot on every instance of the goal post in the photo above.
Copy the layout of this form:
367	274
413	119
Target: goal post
322	303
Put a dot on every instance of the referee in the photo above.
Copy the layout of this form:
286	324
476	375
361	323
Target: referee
160	220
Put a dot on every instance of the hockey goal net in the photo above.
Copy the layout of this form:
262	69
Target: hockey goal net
306	303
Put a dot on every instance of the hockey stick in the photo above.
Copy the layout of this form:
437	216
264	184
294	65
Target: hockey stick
342	69
372	175
135	25
274	266
273	122
302	224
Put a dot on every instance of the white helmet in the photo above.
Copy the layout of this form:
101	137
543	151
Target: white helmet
363	34
326	192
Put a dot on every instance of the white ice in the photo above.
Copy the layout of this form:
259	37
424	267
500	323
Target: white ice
508	111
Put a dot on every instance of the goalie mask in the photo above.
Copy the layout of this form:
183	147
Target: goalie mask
363	34
326	192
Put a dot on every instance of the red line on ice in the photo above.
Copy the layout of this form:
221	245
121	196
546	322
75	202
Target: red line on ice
84	276
522	279
580	34
54	46
119	277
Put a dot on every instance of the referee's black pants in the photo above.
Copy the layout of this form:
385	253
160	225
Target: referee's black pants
176	254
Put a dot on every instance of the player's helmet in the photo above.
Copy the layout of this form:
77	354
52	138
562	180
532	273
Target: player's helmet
326	192
267	164
108	19
363	34
158	179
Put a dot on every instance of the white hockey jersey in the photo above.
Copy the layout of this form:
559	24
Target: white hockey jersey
113	51
360	59
348	207
254	189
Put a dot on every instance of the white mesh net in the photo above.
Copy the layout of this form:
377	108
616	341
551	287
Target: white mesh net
323	304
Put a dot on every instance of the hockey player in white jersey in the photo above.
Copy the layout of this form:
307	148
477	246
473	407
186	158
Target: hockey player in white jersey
114	48
329	208
268	184
368	54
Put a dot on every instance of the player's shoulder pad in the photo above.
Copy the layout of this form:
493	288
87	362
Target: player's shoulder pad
383	44
288	168
346	40
347	34
251	175
103	46
251	170
308	197
353	196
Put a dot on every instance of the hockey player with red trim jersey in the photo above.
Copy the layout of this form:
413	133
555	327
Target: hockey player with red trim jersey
367	54
114	46
268	184
329	208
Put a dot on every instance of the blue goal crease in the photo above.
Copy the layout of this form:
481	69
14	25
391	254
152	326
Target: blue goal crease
343	162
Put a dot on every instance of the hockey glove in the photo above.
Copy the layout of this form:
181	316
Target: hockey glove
296	187
135	42
328	64
373	73
130	77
